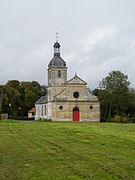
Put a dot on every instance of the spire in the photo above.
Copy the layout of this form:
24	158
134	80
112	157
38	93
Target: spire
56	47
57	36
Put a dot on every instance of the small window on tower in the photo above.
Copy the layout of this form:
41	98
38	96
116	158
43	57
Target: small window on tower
59	74
49	75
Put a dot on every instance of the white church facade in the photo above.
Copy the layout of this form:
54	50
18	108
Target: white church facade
66	100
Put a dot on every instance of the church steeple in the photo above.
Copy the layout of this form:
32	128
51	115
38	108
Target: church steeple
56	46
57	61
57	70
56	49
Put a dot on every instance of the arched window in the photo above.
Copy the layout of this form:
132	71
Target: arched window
49	75
45	109
42	110
59	74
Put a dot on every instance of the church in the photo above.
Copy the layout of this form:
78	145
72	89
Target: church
66	100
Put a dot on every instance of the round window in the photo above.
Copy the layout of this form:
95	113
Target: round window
60	107
76	94
91	107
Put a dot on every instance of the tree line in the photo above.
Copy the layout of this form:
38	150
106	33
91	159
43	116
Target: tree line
117	99
22	96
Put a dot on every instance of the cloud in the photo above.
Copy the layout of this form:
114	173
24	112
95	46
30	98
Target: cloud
103	51
96	37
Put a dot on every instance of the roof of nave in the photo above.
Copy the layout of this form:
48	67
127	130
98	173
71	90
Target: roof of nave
90	96
42	100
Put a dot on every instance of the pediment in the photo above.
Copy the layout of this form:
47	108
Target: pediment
76	80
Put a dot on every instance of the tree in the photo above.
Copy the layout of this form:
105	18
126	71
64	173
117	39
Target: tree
14	83
30	93
44	89
131	103
21	95
11	95
116	92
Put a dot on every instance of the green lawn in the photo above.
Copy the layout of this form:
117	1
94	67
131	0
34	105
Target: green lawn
46	150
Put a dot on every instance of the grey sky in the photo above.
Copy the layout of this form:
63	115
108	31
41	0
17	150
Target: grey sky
96	37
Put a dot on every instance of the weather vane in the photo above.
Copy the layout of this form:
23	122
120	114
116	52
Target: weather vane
57	36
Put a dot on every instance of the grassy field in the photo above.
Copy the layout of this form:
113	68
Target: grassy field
46	150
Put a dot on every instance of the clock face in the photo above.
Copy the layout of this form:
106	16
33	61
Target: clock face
76	94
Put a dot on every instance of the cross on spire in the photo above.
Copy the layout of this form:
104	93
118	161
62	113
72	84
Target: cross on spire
57	36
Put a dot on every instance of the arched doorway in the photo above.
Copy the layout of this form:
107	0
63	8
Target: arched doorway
76	114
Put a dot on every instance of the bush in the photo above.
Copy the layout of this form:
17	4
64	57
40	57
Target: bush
124	119
132	120
25	118
120	119
116	118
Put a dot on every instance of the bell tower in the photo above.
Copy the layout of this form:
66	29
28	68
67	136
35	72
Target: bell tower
57	70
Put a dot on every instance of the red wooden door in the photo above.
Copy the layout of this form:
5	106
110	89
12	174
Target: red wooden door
75	114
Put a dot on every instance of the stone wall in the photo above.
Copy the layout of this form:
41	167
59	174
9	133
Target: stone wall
63	96
66	114
53	79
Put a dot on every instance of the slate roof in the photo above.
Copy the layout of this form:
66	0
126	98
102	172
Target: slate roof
32	110
57	61
42	100
90	96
